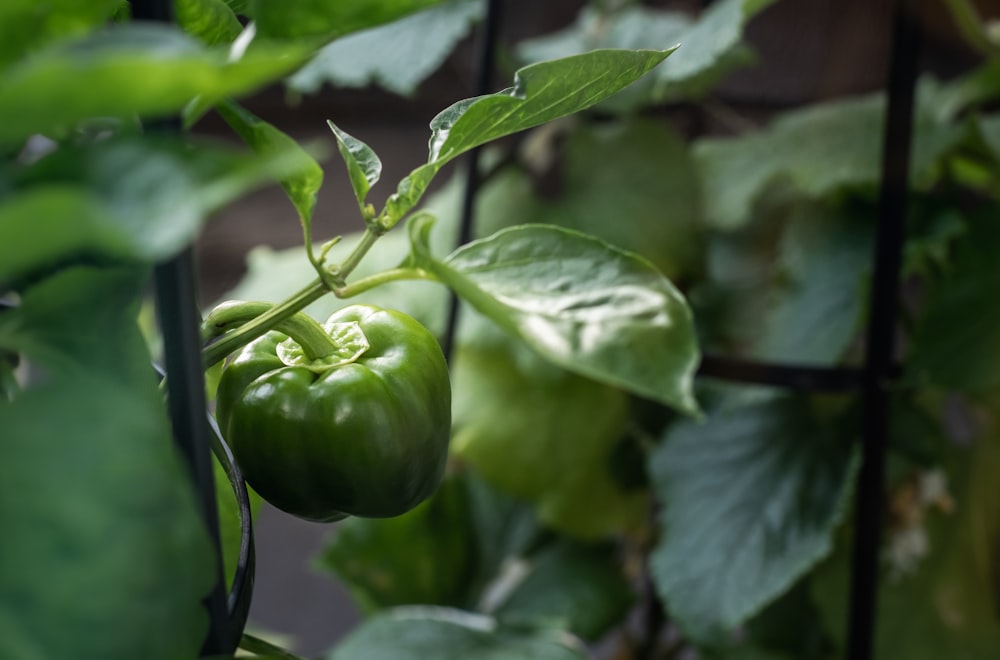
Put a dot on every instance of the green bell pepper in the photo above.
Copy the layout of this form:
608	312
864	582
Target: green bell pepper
353	421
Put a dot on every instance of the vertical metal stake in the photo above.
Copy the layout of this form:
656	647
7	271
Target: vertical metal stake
179	322
882	328
487	58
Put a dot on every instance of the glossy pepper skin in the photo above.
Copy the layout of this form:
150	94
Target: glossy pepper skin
368	438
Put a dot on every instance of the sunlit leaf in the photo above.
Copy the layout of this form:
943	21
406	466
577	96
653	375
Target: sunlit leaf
541	92
363	166
581	303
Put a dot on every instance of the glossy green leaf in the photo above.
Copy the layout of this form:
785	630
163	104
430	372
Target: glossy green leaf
554	452
583	304
125	70
424	556
937	594
541	92
304	177
121	199
363	165
957	342
577	587
819	300
812	152
212	21
95	503
418	633
750	499
27	25
420	44
327	19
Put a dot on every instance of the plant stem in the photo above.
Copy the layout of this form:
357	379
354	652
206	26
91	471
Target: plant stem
354	258
268	320
265	319
392	275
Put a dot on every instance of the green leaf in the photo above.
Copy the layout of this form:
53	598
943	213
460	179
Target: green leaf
125	70
714	35
583	304
813	152
554	452
27	25
651	175
80	320
95	503
363	166
417	633
710	45
819	300
304	177
447	551
779	479
212	21
578	587
938	599
420	44
121	199
957	343
541	92
424	556
327	19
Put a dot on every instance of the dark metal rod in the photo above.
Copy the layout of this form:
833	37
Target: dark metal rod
817	379
484	82
177	307
881	332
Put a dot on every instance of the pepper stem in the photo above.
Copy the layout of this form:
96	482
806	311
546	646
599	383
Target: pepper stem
302	328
